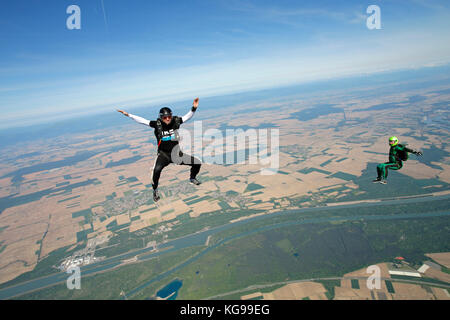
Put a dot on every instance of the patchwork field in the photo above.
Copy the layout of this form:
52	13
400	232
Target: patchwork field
60	193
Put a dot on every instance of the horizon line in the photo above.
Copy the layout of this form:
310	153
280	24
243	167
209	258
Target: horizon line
155	103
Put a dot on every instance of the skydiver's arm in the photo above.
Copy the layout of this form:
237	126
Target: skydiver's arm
190	114
139	119
413	151
135	118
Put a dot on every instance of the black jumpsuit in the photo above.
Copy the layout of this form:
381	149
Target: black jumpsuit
169	150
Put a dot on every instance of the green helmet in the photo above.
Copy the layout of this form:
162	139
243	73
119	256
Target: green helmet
394	141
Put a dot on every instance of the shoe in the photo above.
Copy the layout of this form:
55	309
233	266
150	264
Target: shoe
195	181
156	196
383	181
376	180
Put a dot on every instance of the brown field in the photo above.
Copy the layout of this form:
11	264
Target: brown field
203	207
403	291
439	275
297	291
441	294
442	258
252	295
347	293
362	272
406	291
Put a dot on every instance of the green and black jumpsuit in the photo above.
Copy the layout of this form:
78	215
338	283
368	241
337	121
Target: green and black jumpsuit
394	163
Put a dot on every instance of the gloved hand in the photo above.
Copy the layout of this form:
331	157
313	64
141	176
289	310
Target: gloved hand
418	153
195	105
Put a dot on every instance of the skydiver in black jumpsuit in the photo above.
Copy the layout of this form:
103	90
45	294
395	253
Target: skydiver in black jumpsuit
166	127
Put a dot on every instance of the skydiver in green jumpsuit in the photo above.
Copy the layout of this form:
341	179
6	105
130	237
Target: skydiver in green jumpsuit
397	154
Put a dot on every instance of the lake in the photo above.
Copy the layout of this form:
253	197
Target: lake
171	290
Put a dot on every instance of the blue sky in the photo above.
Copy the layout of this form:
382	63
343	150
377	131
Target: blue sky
134	53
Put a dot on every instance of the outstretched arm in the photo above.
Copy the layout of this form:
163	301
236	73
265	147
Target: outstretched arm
135	118
190	114
417	153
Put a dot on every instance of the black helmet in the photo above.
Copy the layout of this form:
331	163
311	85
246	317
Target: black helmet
164	112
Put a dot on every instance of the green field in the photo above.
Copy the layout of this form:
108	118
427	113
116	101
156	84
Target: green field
355	284
252	187
389	286
324	250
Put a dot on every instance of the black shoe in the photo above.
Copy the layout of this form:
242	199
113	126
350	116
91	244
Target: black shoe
195	181
376	180
155	195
